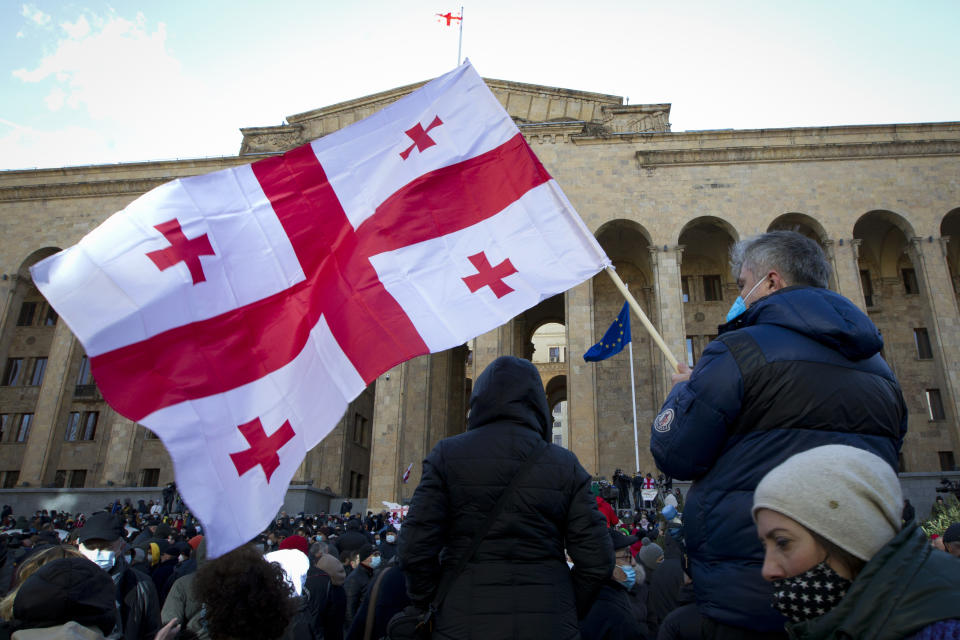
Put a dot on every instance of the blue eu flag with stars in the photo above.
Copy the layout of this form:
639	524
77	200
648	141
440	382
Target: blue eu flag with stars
614	340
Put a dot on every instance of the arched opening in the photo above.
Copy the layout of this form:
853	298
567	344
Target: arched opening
950	228
709	288
628	246
556	388
896	300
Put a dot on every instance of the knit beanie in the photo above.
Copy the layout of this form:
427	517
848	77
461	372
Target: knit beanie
650	555
295	542
847	495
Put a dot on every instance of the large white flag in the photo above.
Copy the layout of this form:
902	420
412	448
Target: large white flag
236	314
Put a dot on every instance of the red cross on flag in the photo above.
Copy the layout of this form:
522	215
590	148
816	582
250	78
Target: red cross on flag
236	314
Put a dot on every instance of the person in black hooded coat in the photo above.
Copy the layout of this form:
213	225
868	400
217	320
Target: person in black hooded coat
517	585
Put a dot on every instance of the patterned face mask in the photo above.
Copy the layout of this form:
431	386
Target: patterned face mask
810	594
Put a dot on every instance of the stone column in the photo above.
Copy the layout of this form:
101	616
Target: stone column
930	256
385	468
668	315
421	403
844	257
493	344
121	439
581	381
16	290
56	387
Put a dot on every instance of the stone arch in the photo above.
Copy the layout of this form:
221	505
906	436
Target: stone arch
884	236
950	229
801	223
556	388
34	258
708	222
628	244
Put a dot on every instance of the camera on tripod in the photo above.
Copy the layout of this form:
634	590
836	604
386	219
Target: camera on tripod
949	486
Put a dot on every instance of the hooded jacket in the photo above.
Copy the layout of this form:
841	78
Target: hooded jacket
517	585
916	586
799	369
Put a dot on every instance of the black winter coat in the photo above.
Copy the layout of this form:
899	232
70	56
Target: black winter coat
611	617
518	584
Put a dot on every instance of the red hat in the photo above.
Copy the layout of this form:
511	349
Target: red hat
195	541
296	542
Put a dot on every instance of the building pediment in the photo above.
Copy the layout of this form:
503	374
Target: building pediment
531	106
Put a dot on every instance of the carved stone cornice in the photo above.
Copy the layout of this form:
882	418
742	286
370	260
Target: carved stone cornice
799	152
79	189
551	131
60	185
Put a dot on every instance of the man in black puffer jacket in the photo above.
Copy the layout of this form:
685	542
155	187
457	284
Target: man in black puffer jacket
518	584
795	367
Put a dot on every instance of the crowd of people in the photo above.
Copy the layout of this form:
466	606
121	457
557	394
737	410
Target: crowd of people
794	527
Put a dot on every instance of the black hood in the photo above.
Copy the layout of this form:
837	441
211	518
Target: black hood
510	390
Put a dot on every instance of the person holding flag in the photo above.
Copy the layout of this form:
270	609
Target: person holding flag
795	367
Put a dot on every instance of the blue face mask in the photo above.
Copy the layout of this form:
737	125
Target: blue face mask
739	306
374	562
631	577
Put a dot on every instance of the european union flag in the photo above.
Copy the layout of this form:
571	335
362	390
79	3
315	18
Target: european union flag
614	340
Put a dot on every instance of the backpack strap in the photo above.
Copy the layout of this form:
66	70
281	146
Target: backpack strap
525	467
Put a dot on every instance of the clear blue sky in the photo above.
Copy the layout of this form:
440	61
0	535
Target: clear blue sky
92	82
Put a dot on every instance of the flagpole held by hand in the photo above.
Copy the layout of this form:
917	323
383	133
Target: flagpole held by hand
643	318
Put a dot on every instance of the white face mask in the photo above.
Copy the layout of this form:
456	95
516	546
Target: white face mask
374	562
103	558
391	539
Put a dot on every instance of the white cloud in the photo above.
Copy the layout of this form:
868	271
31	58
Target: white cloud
35	15
78	29
121	96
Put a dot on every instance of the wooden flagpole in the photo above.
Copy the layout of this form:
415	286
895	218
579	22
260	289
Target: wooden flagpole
643	318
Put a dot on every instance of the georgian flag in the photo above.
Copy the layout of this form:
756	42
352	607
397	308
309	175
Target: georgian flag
237	314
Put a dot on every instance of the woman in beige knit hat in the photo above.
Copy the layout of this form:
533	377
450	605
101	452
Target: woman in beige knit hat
842	567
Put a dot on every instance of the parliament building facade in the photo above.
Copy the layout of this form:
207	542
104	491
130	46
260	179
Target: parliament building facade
882	200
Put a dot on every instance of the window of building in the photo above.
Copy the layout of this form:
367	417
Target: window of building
867	284
910	285
90	419
150	478
27	311
359	429
83	375
554	354
39	367
23	427
935	405
10	479
78	478
922	339
73	426
11	373
685	287
50	319
558	439
947	461
60	478
690	358
4	425
712	288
